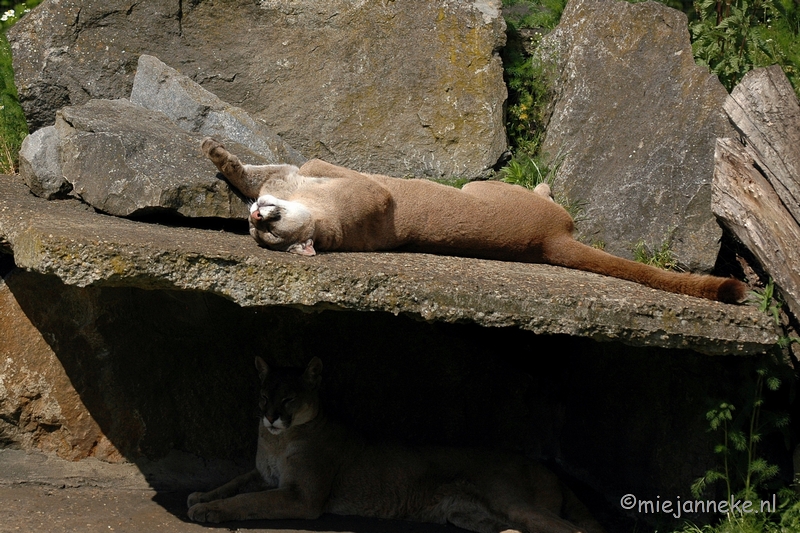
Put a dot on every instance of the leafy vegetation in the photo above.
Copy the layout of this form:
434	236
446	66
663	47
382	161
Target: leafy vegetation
741	464
11	11
732	37
13	127
769	302
529	80
660	256
745	473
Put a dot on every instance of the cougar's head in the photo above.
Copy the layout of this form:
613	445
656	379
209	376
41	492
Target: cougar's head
282	225
289	396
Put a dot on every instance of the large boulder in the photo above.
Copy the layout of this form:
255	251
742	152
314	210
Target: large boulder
159	87
128	160
84	248
125	160
635	121
394	87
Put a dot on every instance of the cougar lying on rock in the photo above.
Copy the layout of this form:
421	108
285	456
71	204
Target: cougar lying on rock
307	465
328	208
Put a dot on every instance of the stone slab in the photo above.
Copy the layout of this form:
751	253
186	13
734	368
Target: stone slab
84	248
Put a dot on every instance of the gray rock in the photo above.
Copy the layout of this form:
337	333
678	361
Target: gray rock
159	87
393	87
636	120
40	164
125	160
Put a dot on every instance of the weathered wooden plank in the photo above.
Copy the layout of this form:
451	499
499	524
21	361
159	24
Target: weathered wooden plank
748	205
765	110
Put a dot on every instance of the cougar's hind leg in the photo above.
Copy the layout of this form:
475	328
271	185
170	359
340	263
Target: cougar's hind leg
474	517
466	509
543	189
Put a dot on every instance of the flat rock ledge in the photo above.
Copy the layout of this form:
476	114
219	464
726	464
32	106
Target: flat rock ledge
83	248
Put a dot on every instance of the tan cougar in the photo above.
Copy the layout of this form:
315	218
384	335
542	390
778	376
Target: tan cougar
328	208
307	464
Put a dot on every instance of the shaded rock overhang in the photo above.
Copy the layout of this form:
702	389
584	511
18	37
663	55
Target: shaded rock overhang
84	248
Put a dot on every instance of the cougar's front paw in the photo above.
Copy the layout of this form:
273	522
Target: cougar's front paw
209	144
206	512
194	498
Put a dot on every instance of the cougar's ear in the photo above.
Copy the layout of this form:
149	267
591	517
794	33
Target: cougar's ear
262	367
303	248
313	373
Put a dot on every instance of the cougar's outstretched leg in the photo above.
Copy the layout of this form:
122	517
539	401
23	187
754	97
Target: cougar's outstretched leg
250	180
230	167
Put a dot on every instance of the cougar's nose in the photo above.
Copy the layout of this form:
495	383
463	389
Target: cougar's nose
255	215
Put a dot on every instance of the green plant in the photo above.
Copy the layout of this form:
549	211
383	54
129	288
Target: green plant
13	127
769	302
660	256
525	170
727	37
529	77
743	471
12	11
740	438
529	81
523	14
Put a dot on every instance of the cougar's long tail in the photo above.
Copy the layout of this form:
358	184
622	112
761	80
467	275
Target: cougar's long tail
573	254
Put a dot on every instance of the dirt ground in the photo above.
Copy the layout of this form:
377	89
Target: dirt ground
41	493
